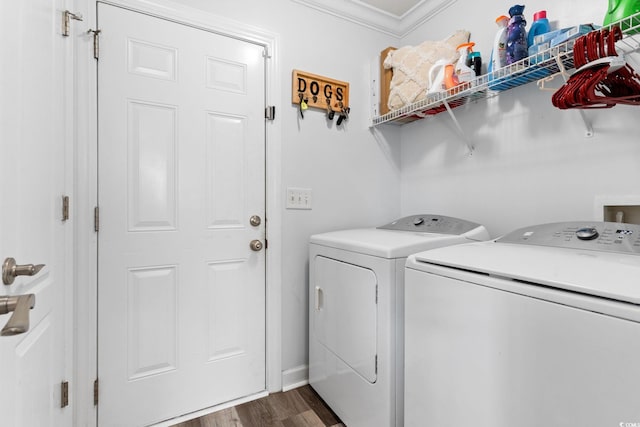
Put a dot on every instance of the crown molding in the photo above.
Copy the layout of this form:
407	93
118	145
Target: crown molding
368	16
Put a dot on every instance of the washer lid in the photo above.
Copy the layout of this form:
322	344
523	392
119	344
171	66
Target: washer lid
604	274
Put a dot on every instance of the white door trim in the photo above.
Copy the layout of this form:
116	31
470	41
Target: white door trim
85	257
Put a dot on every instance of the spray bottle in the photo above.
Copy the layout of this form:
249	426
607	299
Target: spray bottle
463	71
499	52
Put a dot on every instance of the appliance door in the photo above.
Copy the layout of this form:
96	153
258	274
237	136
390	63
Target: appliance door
489	357
345	313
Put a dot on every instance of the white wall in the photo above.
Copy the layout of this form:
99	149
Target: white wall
532	162
355	177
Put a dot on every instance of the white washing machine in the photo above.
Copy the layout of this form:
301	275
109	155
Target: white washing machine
538	328
356	312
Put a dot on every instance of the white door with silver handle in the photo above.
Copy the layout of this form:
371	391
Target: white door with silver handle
35	319
181	317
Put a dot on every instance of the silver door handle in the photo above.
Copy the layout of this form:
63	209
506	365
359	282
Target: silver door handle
255	245
10	270
20	305
319	298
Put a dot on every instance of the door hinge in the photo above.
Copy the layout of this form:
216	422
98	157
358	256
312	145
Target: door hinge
65	208
95	392
66	18
96	42
376	294
64	394
376	367
96	219
270	112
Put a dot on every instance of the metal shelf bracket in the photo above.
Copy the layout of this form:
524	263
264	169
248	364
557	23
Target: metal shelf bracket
457	125
588	133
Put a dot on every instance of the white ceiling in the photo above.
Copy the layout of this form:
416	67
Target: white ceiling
394	17
394	7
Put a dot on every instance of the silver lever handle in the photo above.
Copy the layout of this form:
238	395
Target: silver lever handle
20	305
10	270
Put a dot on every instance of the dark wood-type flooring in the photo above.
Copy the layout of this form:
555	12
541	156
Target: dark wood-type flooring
300	407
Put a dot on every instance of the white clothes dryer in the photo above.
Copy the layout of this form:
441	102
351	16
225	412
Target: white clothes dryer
356	312
538	328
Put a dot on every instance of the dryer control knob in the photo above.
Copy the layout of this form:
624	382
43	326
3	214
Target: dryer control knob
418	221
587	233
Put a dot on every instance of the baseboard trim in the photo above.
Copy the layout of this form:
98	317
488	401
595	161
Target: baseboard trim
295	377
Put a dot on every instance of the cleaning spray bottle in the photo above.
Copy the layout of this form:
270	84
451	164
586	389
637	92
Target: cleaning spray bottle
464	73
517	48
499	52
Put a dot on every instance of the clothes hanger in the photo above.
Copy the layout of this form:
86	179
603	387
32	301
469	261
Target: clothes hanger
602	78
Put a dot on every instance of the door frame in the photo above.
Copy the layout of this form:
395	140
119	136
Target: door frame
86	188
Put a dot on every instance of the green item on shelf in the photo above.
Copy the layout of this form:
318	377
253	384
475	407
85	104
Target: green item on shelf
621	9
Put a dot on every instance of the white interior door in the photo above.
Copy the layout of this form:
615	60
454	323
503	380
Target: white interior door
181	323
33	71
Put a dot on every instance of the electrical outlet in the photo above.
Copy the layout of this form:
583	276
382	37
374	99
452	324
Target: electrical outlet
298	198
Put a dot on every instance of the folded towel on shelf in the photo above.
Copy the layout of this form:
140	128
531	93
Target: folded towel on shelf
411	65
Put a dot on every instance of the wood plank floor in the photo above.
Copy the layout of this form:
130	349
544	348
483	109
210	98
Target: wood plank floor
300	407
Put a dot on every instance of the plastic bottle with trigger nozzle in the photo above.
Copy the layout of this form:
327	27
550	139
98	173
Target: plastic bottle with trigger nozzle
464	73
517	47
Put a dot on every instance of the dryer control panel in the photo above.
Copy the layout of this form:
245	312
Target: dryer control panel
596	236
438	224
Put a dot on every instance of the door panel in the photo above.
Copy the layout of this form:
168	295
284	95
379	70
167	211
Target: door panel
152	187
151	320
32	177
345	315
181	171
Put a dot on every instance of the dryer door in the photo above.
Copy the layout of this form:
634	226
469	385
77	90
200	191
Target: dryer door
345	318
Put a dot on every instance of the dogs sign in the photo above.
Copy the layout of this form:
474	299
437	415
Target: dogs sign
312	90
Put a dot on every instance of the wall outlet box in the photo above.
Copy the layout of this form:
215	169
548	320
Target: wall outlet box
617	208
298	198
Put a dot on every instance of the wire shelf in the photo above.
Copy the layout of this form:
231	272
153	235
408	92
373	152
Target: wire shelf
542	65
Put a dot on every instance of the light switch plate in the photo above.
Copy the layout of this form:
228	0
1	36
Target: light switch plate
298	198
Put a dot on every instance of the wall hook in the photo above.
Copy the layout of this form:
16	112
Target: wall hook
303	104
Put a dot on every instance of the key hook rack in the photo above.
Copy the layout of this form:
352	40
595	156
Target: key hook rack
313	91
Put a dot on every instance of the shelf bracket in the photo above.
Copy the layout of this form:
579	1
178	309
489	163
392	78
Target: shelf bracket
588	133
455	122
